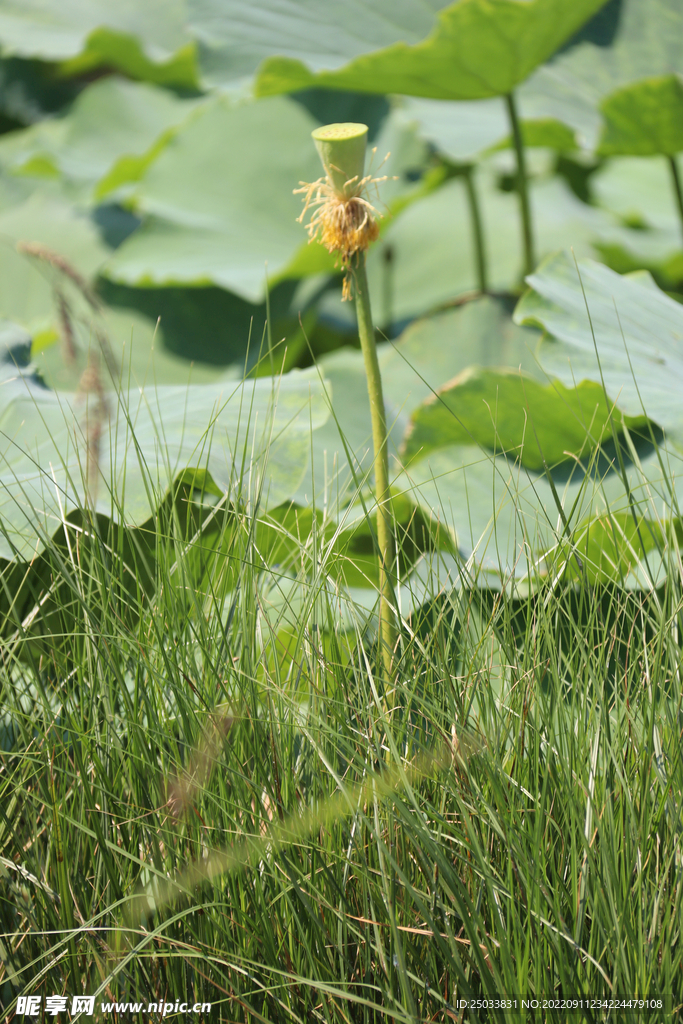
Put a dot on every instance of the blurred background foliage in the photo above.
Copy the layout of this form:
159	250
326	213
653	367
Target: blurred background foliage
156	148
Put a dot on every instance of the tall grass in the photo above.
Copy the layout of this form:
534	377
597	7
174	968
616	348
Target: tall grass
203	799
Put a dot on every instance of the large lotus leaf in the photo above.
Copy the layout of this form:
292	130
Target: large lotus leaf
235	36
322	567
552	93
488	504
220	205
636	329
430	352
640	191
26	283
477	48
137	354
332	603
253	438
510	413
644	41
219	200
142	39
13	191
432	248
211	325
506	519
644	119
29	91
544	132
656	254
109	137
29	150
621	546
545	97
436	349
463	131
343	596
432	255
107	48
341	451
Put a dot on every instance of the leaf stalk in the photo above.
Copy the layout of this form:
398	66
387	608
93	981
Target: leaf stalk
678	191
522	186
385	536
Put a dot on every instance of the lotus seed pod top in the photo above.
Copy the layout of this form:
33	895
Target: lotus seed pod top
343	217
342	151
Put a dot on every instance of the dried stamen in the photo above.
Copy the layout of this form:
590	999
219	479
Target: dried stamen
343	225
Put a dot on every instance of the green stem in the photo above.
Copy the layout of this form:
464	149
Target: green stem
385	538
522	186
63	887
477	231
678	192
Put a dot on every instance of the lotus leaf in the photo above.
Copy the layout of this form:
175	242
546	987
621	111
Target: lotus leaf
62	451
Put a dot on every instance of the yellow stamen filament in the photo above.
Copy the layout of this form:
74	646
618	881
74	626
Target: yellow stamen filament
343	224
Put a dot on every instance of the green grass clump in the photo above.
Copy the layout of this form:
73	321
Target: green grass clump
202	796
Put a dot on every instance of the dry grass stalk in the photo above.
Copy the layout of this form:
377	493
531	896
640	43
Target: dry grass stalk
96	414
184	788
60	263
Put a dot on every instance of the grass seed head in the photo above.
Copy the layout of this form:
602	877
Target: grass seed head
343	218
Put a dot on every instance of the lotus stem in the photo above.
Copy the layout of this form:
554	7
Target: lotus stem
344	221
522	186
385	537
477	230
678	191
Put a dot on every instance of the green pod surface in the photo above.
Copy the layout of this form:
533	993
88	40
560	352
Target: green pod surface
342	151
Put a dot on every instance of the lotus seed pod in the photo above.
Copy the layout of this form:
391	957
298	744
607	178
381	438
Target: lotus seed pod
342	151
